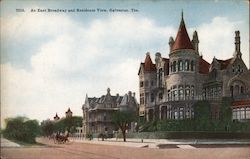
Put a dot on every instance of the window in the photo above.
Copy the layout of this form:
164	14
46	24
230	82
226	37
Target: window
142	98
175	115
104	116
141	84
243	113
241	89
192	91
181	113
248	113
187	113
186	65
181	93
180	68
232	91
192	65
174	66
238	68
187	92
160	96
152	97
146	83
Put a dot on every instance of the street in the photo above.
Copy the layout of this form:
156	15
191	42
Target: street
88	150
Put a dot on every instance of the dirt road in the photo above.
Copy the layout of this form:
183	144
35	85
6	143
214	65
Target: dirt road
75	150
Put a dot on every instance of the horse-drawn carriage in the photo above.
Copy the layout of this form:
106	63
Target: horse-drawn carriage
59	138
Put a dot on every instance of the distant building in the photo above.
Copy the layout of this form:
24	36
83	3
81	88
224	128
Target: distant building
97	112
56	117
170	87
68	113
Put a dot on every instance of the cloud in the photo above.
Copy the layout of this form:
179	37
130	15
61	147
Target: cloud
73	59
217	38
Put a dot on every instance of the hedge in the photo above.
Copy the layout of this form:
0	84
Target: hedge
189	135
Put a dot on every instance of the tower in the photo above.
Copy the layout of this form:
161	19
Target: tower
85	121
147	82
183	70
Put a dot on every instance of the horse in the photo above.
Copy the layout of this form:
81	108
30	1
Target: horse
61	138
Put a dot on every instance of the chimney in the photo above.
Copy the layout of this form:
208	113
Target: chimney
237	41
195	41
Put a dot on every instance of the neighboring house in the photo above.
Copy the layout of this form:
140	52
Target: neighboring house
97	112
170	87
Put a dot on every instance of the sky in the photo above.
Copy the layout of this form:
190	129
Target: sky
51	60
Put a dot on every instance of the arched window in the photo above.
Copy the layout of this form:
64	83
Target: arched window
180	67
181	92
186	65
187	92
241	89
192	65
174	66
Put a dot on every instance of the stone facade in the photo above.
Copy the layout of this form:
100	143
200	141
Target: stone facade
169	88
97	112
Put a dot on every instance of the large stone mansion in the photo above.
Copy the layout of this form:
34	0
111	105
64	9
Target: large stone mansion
170	87
97	112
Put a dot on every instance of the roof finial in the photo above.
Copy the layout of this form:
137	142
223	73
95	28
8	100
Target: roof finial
182	14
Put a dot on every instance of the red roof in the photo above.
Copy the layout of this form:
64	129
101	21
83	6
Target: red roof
182	40
148	64
241	103
203	66
224	63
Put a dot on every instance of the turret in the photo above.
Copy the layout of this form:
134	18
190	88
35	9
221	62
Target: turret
171	43
195	41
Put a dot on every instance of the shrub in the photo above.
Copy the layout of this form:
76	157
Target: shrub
89	136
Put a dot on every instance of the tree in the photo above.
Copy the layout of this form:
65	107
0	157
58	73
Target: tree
68	124
122	119
21	129
47	127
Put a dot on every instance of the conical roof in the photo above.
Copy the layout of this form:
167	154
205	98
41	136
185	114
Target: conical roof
148	64
182	40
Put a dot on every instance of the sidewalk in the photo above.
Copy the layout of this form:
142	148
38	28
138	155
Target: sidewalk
153	143
8	143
